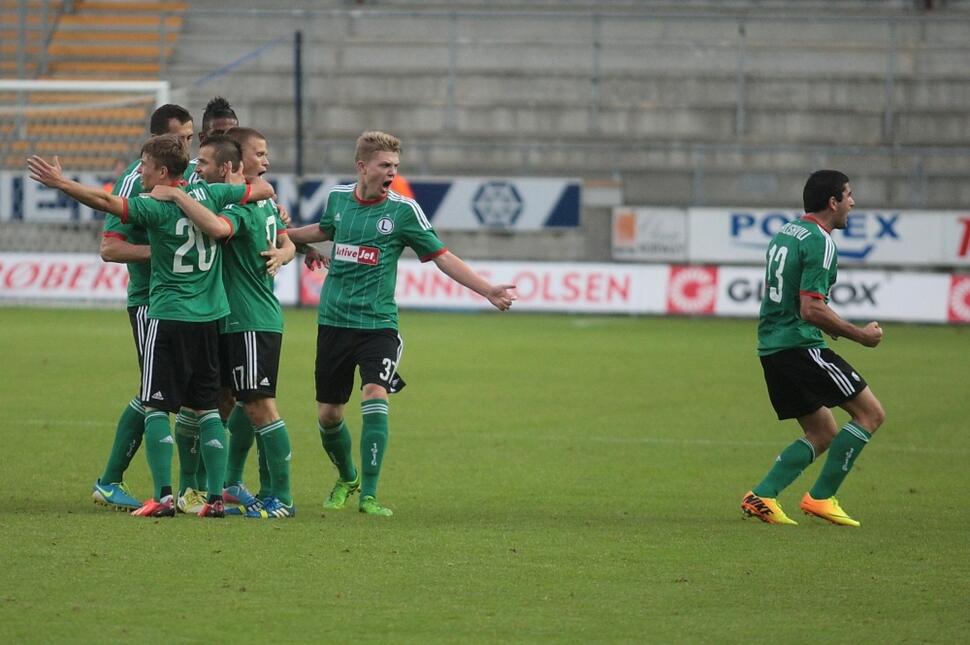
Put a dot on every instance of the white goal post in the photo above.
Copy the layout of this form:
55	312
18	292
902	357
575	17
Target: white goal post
89	124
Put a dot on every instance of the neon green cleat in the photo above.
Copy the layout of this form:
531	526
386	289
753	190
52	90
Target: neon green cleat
828	509
371	506
766	509
341	491
191	501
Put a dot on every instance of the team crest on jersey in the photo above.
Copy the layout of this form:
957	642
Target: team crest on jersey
368	255
385	225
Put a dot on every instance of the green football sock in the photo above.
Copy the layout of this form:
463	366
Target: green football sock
187	442
128	436
373	443
212	440
276	446
788	466
338	445
843	452
265	481
240	441
158	450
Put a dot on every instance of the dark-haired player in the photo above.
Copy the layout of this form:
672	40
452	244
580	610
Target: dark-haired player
805	378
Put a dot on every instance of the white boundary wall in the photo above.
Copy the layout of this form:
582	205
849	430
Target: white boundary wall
542	287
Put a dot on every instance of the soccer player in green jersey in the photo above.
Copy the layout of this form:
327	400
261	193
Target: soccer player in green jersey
251	336
128	243
357	322
804	377
186	299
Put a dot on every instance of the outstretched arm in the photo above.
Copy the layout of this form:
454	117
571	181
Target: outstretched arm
94	196
815	311
307	234
500	295
212	225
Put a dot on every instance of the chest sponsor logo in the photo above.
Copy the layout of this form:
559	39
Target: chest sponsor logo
368	255
385	225
691	290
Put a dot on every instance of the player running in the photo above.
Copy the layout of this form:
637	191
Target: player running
805	378
357	322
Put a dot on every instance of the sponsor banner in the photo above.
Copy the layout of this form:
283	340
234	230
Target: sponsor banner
956	235
858	295
285	285
958	302
587	288
467	203
915	238
692	290
85	277
650	234
61	276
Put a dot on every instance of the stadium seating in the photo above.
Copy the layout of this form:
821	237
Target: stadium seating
88	41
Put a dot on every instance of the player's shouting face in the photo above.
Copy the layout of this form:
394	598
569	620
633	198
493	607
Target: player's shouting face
376	174
255	157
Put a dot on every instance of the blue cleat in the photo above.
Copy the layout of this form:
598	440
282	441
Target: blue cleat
273	507
116	496
239	501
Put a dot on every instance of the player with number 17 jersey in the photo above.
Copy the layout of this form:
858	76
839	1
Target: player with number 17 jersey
253	303
801	260
368	239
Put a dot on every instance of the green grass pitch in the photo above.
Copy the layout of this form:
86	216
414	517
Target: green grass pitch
554	478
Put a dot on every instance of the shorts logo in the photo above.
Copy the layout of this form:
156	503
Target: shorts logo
385	225
158	396
264	382
368	255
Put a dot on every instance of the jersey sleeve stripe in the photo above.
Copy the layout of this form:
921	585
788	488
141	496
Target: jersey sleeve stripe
124	210
812	294
418	213
128	182
432	256
116	235
245	199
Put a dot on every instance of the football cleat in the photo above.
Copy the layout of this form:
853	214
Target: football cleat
766	509
341	491
213	509
828	509
371	506
151	508
238	494
241	502
191	501
273	507
116	496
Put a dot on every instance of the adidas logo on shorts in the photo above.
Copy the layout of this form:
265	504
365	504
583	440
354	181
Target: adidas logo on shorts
265	381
